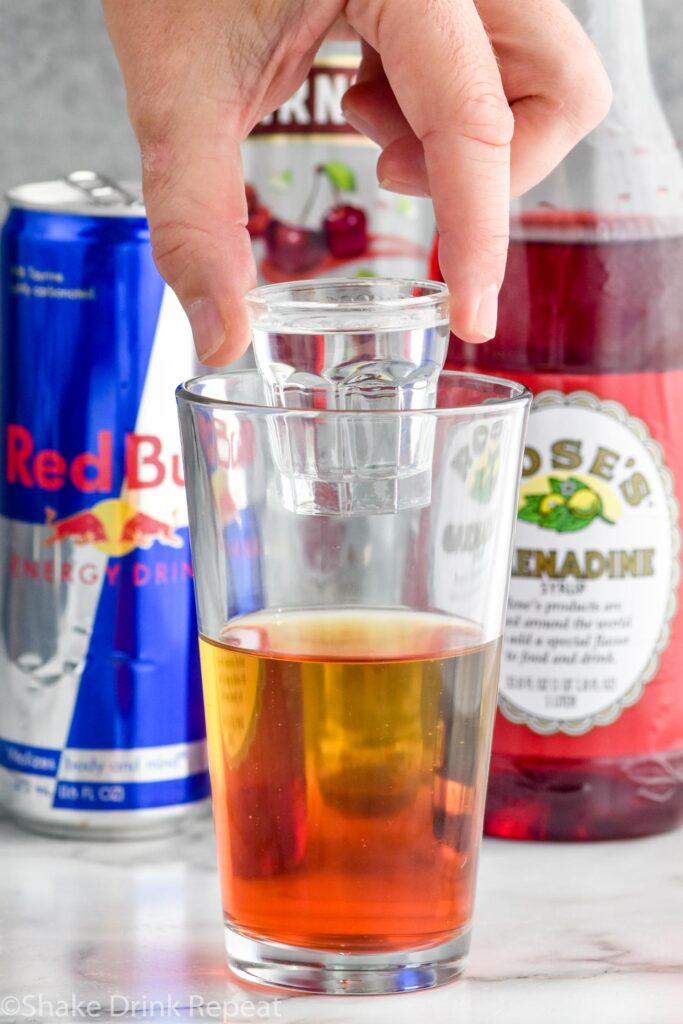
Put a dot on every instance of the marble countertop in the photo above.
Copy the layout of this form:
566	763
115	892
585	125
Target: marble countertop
131	931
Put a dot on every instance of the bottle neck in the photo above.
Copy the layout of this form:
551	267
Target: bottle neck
618	30
628	172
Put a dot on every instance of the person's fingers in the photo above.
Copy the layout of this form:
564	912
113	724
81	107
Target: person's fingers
197	215
199	75
370	67
443	73
553	78
189	132
371	108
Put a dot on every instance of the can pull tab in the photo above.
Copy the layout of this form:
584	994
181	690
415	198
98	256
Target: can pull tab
99	189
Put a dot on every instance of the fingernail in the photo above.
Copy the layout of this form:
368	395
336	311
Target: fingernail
404	188
486	320
207	325
357	122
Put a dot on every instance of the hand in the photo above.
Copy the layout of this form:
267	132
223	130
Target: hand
467	101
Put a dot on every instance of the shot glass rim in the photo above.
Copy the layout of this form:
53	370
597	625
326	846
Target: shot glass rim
267	301
519	394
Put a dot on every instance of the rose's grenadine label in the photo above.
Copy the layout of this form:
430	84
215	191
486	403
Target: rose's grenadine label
592	634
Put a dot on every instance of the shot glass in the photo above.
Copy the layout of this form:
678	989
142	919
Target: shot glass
350	667
358	346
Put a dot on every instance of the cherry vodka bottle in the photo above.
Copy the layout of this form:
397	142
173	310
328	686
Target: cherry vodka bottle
589	736
315	206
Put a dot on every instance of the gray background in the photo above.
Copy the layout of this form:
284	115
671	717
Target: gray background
62	103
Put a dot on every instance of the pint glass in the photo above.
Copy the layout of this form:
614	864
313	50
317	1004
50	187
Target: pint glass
351	551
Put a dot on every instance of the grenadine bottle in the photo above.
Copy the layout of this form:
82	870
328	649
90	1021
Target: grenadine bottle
589	736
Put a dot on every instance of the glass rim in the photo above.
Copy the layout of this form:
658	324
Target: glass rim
518	394
286	297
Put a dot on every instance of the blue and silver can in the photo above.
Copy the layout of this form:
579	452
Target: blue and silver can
101	721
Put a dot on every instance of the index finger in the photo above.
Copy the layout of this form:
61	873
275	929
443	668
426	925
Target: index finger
443	72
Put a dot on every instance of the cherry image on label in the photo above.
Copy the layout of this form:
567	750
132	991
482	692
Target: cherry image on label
346	231
345	227
577	316
293	249
312	173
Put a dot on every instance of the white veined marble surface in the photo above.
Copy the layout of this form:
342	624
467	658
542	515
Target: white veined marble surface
573	934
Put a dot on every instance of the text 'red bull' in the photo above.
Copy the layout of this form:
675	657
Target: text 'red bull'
145	464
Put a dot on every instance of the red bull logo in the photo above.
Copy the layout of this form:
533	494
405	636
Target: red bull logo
113	526
117	526
82	528
146	463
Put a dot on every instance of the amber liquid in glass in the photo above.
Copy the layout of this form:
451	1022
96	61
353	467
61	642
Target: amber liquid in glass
348	753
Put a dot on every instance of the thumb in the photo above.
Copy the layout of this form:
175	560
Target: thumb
197	211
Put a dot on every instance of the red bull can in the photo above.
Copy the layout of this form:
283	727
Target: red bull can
101	720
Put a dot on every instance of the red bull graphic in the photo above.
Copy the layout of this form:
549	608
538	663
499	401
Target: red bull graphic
113	527
81	528
142	531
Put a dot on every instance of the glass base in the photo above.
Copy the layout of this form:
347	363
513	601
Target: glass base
357	974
